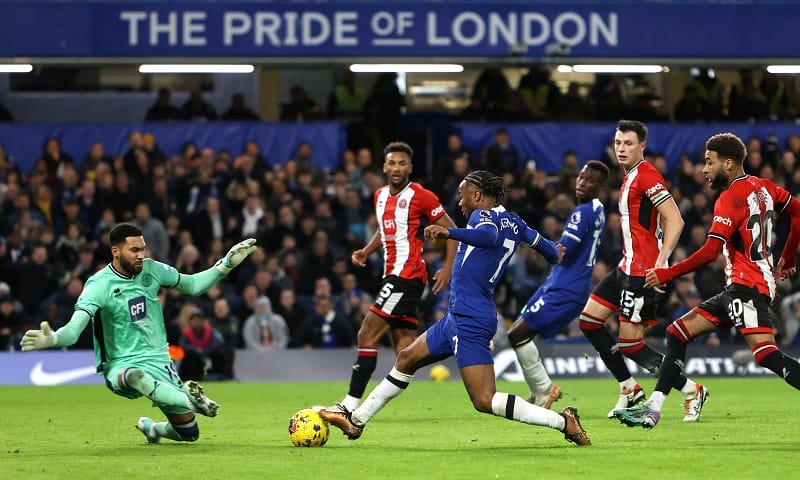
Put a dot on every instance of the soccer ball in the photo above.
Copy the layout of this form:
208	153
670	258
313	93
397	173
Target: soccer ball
440	373
308	429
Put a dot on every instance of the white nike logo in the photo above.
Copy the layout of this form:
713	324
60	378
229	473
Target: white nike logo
46	379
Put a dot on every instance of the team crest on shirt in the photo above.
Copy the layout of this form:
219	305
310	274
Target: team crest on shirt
403	203
147	279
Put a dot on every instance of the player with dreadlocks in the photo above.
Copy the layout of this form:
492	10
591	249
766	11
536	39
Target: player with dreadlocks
485	247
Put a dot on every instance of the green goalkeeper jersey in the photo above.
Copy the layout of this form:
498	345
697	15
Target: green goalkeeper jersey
130	326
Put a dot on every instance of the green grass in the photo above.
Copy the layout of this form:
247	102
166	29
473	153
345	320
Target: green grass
749	429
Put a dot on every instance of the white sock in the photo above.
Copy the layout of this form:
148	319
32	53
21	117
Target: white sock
532	368
656	401
627	384
688	390
393	385
525	412
350	403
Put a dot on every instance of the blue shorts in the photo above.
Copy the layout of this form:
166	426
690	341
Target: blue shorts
548	313
465	337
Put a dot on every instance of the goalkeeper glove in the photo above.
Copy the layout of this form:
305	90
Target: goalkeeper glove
39	339
236	255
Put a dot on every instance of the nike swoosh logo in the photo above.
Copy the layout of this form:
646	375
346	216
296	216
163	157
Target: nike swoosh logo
46	379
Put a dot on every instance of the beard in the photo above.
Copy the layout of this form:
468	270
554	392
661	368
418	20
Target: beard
719	181
129	267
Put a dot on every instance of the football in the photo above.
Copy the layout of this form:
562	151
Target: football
440	373
308	429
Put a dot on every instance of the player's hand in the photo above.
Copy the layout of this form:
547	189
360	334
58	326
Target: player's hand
651	280
783	272
38	339
359	258
434	232
236	255
561	251
441	279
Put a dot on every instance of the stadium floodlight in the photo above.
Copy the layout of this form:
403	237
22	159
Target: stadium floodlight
195	68
790	69
16	68
406	68
614	68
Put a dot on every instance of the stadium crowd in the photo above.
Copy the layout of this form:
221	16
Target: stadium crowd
299	289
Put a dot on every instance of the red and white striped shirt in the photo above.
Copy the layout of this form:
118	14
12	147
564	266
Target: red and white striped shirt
399	218
643	190
743	216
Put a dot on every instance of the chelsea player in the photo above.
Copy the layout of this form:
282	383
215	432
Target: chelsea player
130	339
562	296
485	247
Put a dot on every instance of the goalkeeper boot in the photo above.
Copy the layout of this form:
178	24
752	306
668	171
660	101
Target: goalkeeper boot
340	418
145	425
627	399
202	404
573	431
638	416
546	399
692	406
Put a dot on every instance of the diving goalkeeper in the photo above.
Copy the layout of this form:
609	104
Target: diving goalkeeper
130	338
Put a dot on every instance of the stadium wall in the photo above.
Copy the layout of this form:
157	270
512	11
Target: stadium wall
562	361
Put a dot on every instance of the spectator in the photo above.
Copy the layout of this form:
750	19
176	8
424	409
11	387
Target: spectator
162	110
346	102
502	156
264	329
300	108
239	112
197	109
383	110
153	231
13	321
325	328
692	107
203	350
229	325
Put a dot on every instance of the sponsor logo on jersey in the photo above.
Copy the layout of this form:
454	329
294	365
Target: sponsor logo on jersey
654	189
723	220
137	308
436	211
388	224
485	216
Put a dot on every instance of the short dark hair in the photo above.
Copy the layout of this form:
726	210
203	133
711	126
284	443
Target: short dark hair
399	147
633	126
600	167
490	184
727	145
121	231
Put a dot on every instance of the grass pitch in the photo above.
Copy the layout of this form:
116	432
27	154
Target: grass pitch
749	429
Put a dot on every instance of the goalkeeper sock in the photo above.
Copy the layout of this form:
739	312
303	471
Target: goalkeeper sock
181	432
514	408
393	385
156	391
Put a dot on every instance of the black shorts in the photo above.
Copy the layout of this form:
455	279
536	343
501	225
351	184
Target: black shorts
619	291
397	301
738	306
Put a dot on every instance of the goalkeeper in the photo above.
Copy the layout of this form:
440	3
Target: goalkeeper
130	338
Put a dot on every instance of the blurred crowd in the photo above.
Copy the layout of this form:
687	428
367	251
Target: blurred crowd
300	290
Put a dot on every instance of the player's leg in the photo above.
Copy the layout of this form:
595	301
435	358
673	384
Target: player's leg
536	316
767	354
372	329
149	382
180	427
477	372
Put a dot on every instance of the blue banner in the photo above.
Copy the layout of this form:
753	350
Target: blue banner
407	29
277	141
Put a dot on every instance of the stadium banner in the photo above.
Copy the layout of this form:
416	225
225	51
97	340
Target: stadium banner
186	29
561	361
546	143
277	141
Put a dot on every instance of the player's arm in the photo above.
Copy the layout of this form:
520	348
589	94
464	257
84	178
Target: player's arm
787	264
199	283
703	256
672	226
441	279
359	257
483	234
552	252
64	337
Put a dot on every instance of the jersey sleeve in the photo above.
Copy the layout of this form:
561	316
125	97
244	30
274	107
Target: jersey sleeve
166	275
576	228
654	186
431	207
93	296
725	219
